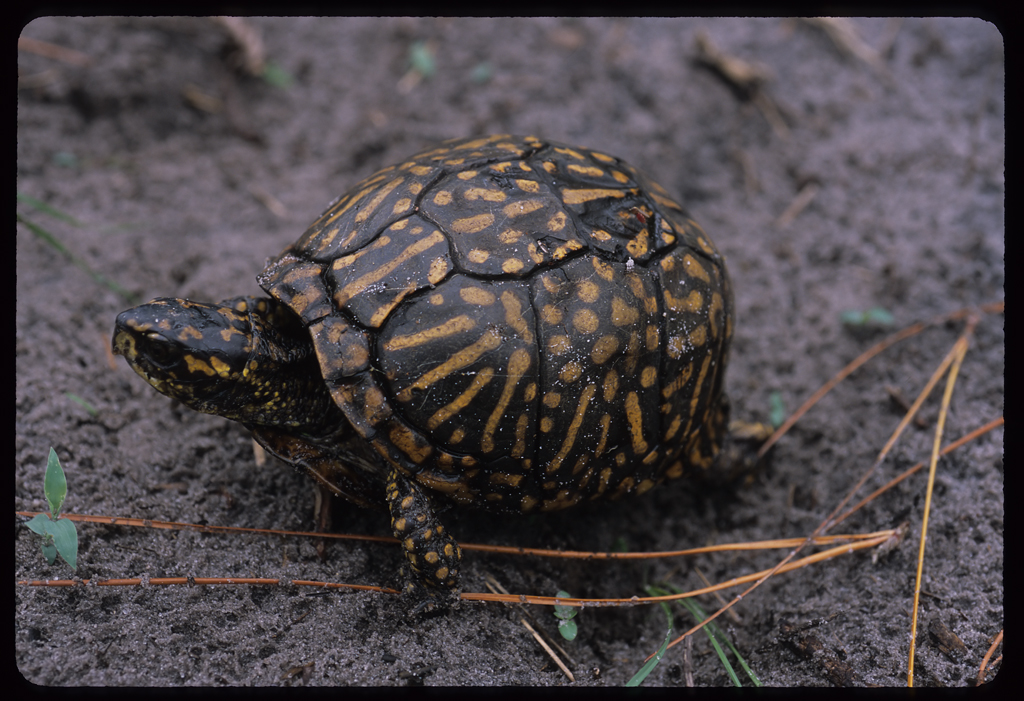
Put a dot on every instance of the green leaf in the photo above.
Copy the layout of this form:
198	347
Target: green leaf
649	666
421	58
55	485
38	524
47	209
566	626
82	403
277	76
777	411
65	540
567	629
49	552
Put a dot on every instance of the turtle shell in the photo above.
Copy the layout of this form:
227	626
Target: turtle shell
517	324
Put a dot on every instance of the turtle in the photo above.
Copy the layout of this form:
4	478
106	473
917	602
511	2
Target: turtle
501	322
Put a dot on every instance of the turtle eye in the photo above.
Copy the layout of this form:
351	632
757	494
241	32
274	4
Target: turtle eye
159	351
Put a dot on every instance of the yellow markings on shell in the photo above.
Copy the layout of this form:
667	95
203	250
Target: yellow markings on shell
438	269
518	364
528	504
485	194
610	385
375	405
520	447
384	310
196	365
401	206
570	372
466	175
605	422
717	304
604	348
506	479
557	345
518	209
530	393
514	316
678	383
695	269
638	247
443	197
636	425
550	314
405	440
510	236
648	376
673	427
572	153
585	321
620	176
574	427
490	340
584	195
530	186
552	399
675	347
653	336
700	383
473	224
478	296
369	207
462	401
603	157
457	435
588	291
622	313
454	325
604	270
698	337
512	265
636	286
557	222
360	284
478	255
644	486
675	471
585	170
546	424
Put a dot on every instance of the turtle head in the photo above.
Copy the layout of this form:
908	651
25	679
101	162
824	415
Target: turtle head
249	359
196	353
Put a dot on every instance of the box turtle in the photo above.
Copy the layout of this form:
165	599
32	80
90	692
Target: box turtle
501	322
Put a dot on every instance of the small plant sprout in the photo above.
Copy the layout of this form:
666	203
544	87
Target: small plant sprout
59	534
565	614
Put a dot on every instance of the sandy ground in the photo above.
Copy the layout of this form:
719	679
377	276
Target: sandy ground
186	175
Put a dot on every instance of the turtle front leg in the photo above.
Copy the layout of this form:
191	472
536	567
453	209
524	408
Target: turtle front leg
432	555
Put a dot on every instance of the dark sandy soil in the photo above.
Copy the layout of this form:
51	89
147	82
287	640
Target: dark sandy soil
182	195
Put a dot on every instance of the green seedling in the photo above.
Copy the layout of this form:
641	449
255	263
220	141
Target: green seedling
59	534
565	614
